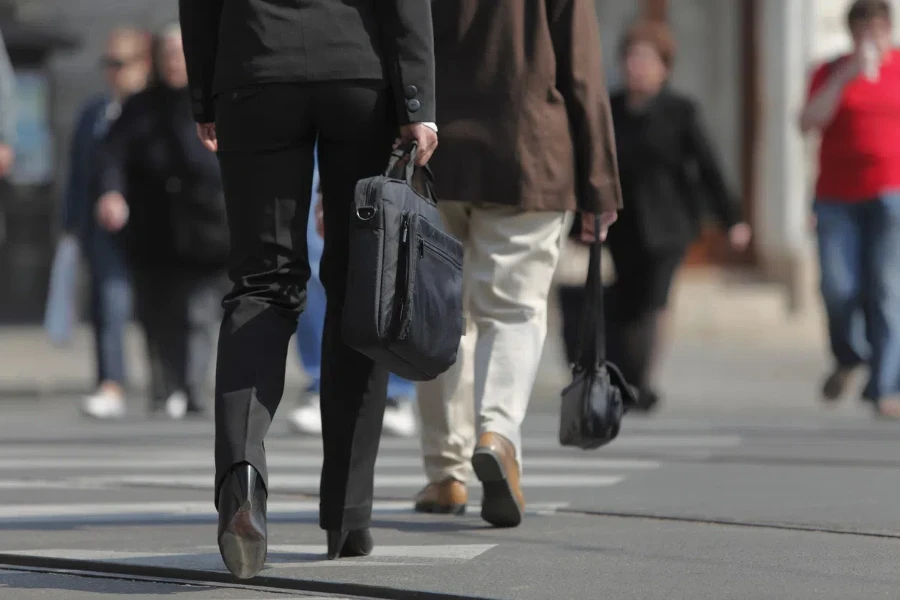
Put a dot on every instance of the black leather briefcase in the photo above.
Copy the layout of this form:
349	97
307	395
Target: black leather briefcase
403	306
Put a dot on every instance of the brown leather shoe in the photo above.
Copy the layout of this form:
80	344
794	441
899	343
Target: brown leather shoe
448	497
494	461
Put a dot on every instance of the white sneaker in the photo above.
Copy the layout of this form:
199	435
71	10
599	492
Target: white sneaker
104	406
176	406
400	418
307	419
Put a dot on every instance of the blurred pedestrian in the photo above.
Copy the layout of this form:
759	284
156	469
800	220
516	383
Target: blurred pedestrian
668	170
271	79
854	102
399	416
126	65
527	139
8	112
8	122
162	188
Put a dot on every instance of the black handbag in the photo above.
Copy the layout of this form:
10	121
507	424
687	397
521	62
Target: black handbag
404	281
598	397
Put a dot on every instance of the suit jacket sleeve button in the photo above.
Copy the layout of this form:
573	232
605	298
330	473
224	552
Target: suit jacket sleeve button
411	92
413	105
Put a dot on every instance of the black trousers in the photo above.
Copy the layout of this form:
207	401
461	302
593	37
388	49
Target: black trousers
266	140
632	303
179	311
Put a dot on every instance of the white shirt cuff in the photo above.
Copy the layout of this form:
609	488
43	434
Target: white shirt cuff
432	126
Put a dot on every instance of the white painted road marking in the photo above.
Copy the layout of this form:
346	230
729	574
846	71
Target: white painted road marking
279	556
167	462
289	483
293	445
20	513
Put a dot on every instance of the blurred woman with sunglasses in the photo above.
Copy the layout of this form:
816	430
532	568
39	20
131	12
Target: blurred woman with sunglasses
161	187
126	66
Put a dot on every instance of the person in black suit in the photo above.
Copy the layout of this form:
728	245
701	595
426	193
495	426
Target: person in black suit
667	167
268	78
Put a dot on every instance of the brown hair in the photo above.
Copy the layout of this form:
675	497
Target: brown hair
138	37
654	33
866	10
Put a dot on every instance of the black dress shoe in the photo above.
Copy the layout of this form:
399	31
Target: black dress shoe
648	401
242	521
347	544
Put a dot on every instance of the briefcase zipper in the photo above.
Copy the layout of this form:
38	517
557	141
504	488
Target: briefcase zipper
407	276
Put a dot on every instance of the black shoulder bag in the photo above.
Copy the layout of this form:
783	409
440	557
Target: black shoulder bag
598	397
404	278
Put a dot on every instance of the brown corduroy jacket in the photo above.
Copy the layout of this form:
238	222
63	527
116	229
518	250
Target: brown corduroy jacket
522	104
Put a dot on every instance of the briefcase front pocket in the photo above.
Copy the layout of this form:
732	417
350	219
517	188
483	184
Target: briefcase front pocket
429	297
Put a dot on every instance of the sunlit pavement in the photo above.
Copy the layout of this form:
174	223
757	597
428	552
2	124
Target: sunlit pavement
697	502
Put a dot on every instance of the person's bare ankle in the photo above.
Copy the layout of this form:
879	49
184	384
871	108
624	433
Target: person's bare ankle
111	388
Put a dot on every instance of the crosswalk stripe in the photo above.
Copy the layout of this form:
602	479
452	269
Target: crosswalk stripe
168	461
293	444
42	484
286	483
551	442
207	558
276	509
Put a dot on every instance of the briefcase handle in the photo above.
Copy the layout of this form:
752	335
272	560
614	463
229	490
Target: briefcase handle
410	149
592	322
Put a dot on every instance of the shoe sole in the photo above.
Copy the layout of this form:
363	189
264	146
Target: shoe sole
244	555
499	505
432	508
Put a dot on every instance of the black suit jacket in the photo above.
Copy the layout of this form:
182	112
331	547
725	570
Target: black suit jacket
670	174
235	43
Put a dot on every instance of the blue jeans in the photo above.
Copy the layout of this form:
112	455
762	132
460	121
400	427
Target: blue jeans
312	320
859	256
111	304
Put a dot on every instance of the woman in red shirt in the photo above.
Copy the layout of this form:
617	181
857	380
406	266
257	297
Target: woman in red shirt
854	102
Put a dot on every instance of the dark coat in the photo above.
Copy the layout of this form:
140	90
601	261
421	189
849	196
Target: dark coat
236	43
670	174
153	157
523	113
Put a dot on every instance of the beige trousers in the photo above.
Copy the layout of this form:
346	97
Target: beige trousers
510	258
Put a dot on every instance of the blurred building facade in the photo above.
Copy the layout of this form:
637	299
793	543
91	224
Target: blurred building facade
745	61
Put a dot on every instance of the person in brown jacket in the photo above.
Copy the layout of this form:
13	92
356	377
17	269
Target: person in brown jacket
526	140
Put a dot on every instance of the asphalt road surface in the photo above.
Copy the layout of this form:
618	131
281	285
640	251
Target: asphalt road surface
692	504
